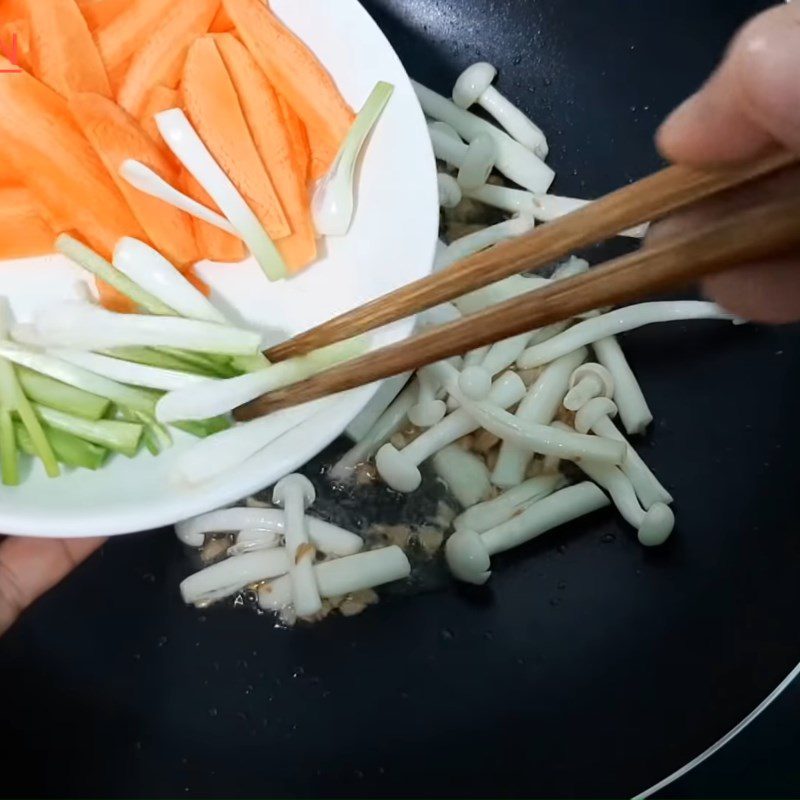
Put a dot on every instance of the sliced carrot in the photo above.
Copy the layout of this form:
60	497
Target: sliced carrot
39	138
160	98
15	42
11	10
212	105
99	13
222	23
23	232
115	136
262	111
129	30
161	59
64	53
117	75
114	300
296	73
213	243
298	137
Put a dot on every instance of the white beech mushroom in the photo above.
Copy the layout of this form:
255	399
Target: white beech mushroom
482	517
654	525
474	85
295	493
474	161
540	405
515	161
548	207
618	321
597	416
400	468
587	382
469	553
465	475
628	395
342	577
450	193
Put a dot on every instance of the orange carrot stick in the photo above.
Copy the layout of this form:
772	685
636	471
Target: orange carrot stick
297	74
160	61
116	136
160	98
64	54
213	107
128	31
23	232
99	13
298	137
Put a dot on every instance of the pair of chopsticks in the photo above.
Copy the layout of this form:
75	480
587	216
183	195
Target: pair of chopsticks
766	230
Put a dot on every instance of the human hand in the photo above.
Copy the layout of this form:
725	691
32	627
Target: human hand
749	105
31	567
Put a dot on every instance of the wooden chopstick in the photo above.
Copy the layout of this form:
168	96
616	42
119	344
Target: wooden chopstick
649	199
766	230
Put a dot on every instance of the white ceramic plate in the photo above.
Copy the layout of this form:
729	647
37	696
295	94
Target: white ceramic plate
391	243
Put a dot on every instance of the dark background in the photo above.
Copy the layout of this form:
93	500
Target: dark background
588	667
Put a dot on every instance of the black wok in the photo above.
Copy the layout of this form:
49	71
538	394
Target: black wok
589	667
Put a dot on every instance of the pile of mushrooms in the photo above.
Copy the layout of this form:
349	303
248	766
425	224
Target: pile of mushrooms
497	424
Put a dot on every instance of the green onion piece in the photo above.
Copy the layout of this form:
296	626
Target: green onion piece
70	450
55	394
250	363
9	454
41	443
119	436
86	257
202	429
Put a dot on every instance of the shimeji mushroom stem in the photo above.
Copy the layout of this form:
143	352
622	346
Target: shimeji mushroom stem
374	410
596	416
474	85
483	517
389	423
540	405
464	474
342	577
429	409
515	161
618	321
469	553
232	575
628	395
587	382
252	540
450	193
474	243
295	493
400	468
548	207
474	161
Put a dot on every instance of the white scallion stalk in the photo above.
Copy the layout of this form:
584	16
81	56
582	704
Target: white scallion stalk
164	380
216	455
482	240
127	396
189	149
144	179
100	268
615	322
150	270
220	397
86	327
333	203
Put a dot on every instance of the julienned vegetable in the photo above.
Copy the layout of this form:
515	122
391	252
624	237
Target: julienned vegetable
334	197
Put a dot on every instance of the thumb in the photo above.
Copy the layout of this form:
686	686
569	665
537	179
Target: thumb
750	103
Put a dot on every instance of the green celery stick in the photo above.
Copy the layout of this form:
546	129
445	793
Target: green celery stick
119	436
55	394
9	454
70	450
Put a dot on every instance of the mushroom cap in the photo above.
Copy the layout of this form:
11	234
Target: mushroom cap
475	383
592	412
473	83
427	414
468	558
657	526
450	194
397	469
294	483
594	370
478	163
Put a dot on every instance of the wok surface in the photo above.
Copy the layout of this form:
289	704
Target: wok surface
588	667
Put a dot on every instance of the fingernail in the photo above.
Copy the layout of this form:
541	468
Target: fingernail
675	124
